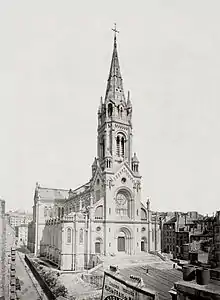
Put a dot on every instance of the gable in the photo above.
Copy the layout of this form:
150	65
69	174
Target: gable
124	170
97	176
124	176
97	185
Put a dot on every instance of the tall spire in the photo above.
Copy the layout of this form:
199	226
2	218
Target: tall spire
115	91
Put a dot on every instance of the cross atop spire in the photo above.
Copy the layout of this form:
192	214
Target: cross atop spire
115	31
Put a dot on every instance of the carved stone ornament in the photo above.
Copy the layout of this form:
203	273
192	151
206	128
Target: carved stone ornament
138	185
121	199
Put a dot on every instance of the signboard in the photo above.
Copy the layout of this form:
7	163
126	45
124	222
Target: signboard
115	288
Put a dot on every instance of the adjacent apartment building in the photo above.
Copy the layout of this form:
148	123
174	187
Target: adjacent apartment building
3	267
177	230
16	218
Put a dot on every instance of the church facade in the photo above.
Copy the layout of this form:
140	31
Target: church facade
106	215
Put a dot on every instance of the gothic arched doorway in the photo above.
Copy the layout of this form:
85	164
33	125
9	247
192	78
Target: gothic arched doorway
144	244
121	242
124	241
98	246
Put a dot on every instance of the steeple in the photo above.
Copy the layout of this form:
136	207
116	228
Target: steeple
114	141
115	91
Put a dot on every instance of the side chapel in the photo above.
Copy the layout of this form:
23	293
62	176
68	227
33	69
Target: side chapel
105	216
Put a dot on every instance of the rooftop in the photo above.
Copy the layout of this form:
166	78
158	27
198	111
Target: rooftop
160	281
44	193
211	291
80	189
160	277
52	194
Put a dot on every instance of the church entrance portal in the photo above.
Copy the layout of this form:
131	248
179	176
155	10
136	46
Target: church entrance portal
144	244
97	247
121	244
124	241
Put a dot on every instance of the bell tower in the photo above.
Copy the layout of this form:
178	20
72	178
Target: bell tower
114	142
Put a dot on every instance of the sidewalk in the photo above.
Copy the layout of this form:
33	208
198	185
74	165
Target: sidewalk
30	288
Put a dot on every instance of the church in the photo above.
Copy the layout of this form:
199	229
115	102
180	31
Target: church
74	229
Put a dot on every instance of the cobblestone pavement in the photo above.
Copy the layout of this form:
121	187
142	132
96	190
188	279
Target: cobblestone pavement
30	289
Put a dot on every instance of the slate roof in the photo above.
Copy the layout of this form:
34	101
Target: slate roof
80	189
160	281
52	194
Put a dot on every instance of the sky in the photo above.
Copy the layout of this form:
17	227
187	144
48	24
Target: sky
54	63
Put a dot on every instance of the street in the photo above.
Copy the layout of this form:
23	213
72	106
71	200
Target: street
30	288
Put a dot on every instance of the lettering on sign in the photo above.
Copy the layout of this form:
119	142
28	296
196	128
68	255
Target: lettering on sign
118	289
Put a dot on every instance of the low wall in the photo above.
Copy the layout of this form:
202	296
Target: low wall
42	283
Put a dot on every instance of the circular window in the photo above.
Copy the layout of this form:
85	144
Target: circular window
98	228
123	180
143	229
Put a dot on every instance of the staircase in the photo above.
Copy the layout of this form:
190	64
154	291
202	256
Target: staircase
124	260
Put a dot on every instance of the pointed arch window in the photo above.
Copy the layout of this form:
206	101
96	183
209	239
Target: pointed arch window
110	110
118	145
68	235
122	146
62	212
103	147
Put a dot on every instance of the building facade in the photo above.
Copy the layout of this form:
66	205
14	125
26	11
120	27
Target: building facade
22	234
7	240
217	238
3	267
105	216
44	199
214	252
179	230
198	289
16	218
